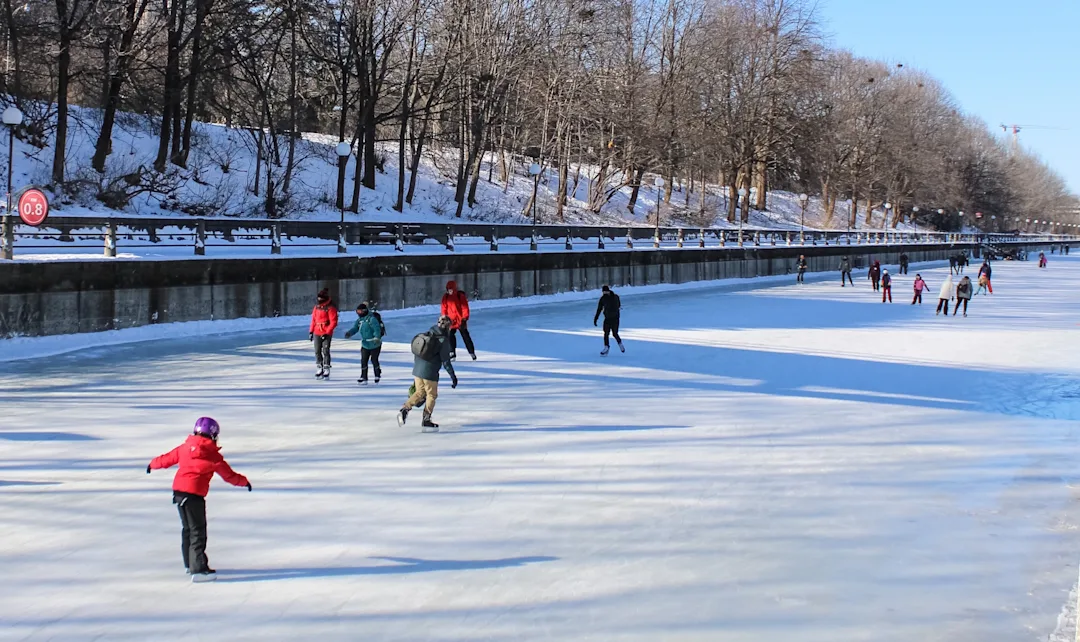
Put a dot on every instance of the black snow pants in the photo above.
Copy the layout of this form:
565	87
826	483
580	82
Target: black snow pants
918	298
801	276
372	355
193	534
464	330
943	302
322	350
957	308
611	327
845	275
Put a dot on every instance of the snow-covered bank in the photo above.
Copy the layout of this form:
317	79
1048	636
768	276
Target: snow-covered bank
220	180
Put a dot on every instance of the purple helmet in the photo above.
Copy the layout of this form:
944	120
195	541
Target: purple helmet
207	427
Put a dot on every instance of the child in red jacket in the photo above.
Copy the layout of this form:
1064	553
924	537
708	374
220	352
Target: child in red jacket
324	319
456	306
199	458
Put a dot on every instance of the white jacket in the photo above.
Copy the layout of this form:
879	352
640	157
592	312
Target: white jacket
948	290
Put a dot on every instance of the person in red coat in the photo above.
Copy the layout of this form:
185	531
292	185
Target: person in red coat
456	306
199	458
323	322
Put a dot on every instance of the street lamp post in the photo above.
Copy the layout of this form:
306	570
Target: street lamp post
803	199
534	171
743	203
343	150
915	219
659	183
12	117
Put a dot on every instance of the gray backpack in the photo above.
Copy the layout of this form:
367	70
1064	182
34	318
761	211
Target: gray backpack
425	346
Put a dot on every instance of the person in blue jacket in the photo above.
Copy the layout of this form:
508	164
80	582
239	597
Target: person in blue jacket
369	325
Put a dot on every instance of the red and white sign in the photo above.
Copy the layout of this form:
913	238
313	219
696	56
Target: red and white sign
33	207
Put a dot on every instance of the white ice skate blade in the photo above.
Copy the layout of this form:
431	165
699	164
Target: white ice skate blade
429	429
199	578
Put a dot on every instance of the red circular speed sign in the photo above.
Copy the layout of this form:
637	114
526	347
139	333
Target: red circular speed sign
33	207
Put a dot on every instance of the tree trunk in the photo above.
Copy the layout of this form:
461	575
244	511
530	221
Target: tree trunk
171	90
63	78
202	8
286	186
635	187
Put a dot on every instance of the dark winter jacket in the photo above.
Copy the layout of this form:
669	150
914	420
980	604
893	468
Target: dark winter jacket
875	271
963	291
801	265
610	305
199	458
455	305
985	269
903	259
324	318
845	266
370	328
886	280
429	369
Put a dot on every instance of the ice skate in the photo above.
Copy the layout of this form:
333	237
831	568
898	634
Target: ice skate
603	353
326	373
428	425
209	575
319	373
403	414
473	355
363	381
622	348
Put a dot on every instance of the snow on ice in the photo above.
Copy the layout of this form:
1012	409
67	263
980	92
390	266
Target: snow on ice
766	462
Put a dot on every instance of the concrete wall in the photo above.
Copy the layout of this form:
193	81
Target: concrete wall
38	299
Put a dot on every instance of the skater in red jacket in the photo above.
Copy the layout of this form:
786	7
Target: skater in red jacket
324	319
456	306
199	458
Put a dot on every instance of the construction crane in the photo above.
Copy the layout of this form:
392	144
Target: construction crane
1016	131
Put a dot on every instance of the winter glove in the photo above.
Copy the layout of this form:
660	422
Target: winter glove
148	469
310	336
249	486
453	382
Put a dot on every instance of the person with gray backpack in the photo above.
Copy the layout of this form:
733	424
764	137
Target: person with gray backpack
431	350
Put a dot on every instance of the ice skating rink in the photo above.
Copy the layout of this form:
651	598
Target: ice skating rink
766	462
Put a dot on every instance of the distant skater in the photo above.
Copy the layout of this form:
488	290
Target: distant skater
875	275
611	307
199	458
919	286
986	270
369	325
952	264
963	295
845	272
1042	259
801	266
886	286
944	295
324	319
903	263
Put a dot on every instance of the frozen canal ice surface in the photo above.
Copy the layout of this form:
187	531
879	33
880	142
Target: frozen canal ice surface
766	462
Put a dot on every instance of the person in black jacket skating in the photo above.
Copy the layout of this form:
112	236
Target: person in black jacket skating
903	262
801	266
611	306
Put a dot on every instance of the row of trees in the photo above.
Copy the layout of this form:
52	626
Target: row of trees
713	95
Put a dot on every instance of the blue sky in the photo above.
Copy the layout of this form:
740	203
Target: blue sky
1004	61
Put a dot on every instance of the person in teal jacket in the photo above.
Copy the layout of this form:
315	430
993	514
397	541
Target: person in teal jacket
369	325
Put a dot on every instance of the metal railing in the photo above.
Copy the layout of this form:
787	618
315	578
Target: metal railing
203	235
